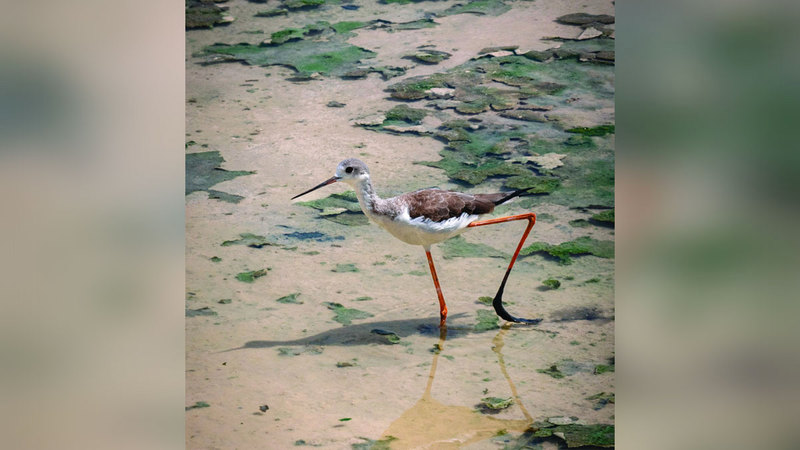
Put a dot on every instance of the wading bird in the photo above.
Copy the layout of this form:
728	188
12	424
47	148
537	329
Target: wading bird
428	216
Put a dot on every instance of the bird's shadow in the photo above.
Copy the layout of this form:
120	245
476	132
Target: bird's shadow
372	333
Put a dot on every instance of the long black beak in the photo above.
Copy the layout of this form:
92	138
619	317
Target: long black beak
330	180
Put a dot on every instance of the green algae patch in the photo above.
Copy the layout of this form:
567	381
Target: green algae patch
342	208
205	14
293	48
479	7
250	240
198	405
601	130
204	311
428	56
249	277
601	399
344	315
303	4
564	251
340	268
485	300
404	113
536	112
605	217
496	403
291	299
487	320
369	444
551	283
553	371
458	247
573	434
203	171
348	26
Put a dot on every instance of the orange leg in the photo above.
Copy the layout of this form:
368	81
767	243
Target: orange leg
442	305
498	298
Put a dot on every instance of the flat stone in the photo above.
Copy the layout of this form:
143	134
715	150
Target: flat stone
589	33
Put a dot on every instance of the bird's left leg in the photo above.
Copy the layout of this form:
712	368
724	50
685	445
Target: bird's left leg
498	298
442	305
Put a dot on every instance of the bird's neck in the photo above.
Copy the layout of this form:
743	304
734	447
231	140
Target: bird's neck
367	197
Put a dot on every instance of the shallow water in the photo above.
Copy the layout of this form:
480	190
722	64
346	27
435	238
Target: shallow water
333	385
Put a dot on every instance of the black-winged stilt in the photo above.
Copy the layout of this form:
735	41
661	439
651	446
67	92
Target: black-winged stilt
428	216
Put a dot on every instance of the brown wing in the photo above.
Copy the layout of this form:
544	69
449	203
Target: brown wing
438	205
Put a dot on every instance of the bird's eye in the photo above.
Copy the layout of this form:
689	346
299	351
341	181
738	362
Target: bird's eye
349	170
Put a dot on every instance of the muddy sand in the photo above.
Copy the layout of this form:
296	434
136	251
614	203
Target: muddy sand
332	340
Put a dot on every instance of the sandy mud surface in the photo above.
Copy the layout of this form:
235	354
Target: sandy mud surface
307	331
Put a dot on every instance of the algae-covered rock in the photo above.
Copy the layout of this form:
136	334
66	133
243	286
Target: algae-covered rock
584	18
496	403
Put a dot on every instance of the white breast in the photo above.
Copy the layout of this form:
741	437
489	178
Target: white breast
423	231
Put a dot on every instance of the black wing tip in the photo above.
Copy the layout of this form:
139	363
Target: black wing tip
510	195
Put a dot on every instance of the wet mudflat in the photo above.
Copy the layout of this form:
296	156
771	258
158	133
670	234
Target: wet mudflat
307	326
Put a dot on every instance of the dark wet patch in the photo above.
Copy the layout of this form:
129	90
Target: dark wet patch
250	240
291	298
487	320
249	277
335	104
204	311
205	14
344	315
203	171
225	301
198	405
566	250
458	247
579	313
